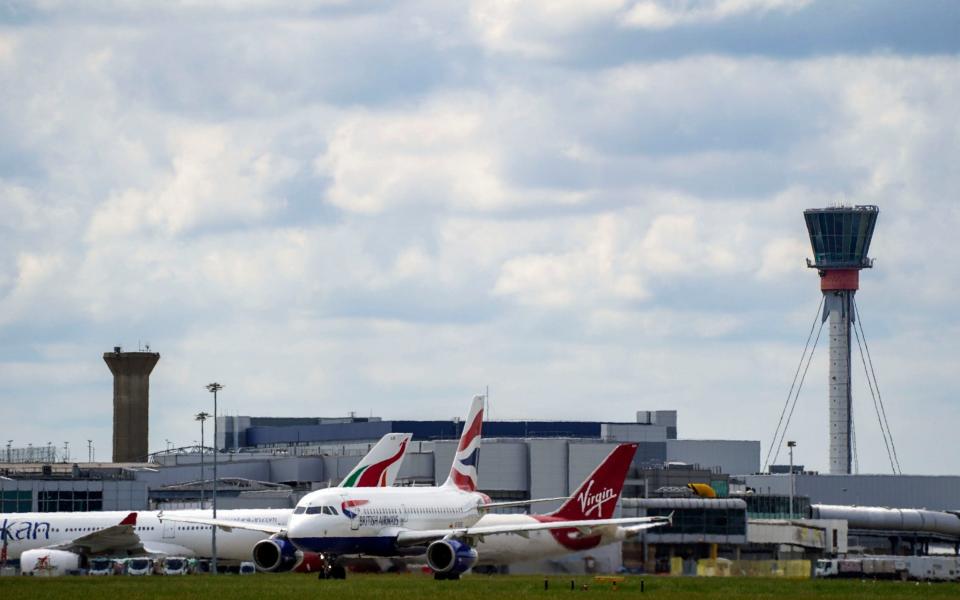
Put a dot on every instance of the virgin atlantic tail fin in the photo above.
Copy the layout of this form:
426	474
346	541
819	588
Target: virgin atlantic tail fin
463	471
597	496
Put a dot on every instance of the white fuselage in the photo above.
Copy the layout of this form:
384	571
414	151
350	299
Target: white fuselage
27	531
506	549
366	521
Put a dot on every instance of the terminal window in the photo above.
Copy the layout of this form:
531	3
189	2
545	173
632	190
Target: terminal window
69	501
702	521
13	501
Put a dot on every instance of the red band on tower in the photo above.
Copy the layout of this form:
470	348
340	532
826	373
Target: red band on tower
839	279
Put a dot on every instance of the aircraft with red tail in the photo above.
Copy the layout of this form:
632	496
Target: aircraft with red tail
596	498
440	521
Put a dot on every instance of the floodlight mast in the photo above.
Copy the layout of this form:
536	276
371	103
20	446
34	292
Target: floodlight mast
840	238
214	388
202	417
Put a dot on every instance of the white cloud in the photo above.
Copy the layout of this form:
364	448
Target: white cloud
530	27
213	178
378	207
439	155
661	14
600	270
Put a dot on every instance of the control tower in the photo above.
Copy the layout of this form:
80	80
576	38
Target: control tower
131	402
841	239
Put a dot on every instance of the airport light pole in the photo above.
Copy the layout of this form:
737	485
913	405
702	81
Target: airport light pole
214	388
9	454
791	445
202	417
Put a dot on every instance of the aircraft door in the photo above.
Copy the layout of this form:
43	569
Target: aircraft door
169	530
352	512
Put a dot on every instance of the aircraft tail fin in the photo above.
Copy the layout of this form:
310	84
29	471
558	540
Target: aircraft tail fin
463	471
379	468
597	496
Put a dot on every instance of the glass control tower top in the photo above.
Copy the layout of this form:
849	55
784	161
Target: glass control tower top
841	236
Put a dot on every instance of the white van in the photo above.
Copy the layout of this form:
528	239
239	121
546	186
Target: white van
140	566
102	566
175	565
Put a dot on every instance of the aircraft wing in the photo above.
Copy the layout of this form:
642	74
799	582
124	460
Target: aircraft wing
586	527
224	524
515	503
116	538
635	530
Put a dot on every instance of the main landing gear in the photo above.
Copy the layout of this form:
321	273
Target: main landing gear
332	570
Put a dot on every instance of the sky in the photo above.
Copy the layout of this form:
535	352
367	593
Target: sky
593	208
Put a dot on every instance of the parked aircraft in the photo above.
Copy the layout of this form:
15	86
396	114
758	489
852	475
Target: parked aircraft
389	522
596	498
63	541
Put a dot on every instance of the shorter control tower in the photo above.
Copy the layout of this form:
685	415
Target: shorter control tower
131	402
841	239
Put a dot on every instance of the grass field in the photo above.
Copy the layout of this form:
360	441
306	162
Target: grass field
402	587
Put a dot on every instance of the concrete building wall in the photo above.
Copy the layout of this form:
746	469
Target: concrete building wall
417	466
117	494
293	469
227	466
583	459
550	475
504	466
443	453
629	432
729	456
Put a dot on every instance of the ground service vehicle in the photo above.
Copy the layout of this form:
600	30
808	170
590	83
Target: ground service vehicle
919	568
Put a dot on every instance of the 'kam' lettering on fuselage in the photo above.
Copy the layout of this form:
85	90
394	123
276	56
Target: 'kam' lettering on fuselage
15	531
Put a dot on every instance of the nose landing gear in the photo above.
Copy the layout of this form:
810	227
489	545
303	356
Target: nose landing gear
332	570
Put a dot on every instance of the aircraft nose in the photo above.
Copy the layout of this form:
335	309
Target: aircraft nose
296	527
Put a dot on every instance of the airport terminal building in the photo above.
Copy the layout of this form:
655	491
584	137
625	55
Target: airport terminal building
266	462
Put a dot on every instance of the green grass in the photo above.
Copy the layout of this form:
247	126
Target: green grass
414	587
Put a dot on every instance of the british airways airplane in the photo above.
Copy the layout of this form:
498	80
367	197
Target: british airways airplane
64	541
440	521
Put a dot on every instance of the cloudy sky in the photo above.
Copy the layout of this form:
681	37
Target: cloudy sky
591	207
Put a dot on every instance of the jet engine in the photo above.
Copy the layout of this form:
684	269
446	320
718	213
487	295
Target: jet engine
48	562
450	558
276	555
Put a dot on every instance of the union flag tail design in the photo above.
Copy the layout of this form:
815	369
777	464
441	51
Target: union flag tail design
597	496
463	471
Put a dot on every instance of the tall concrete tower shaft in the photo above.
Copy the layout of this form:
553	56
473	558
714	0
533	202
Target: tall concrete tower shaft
840	397
840	238
131	402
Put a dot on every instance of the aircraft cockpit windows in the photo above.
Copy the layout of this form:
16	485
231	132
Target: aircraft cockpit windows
300	510
321	510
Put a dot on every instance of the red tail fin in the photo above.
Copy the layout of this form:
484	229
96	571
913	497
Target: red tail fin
597	496
130	519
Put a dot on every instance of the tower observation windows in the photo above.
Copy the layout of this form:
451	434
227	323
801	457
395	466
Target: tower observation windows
840	237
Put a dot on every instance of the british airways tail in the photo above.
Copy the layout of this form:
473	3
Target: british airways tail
463	471
379	468
597	496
